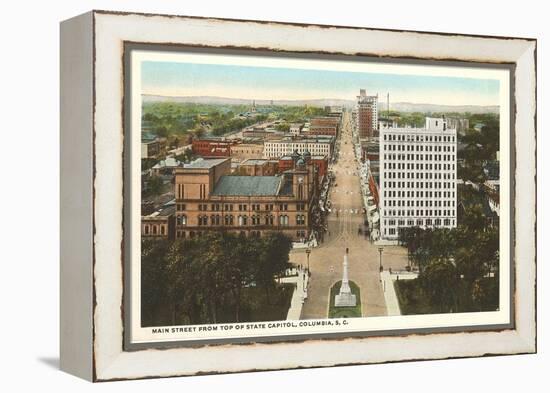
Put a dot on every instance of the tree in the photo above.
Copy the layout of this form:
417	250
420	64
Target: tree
285	127
214	275
439	281
183	297
472	251
273	259
241	259
162	131
186	156
199	132
201	280
153	271
175	142
154	185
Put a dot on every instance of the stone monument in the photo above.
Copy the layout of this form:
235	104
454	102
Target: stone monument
345	298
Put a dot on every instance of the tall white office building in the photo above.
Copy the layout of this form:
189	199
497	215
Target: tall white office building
417	177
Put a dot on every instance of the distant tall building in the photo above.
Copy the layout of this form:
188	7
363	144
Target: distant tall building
461	124
417	177
367	114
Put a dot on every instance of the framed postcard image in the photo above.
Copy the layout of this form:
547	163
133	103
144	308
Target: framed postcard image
304	196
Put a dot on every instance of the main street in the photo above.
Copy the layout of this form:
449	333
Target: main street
344	221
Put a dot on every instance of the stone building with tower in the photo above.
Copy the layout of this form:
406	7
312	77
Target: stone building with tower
209	198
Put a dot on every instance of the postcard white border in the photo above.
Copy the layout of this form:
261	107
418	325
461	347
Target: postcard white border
371	324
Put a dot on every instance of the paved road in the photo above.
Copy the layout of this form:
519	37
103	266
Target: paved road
343	223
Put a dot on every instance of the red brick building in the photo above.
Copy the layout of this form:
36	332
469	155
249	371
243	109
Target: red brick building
325	121
328	125
367	115
285	163
213	147
320	162
323	130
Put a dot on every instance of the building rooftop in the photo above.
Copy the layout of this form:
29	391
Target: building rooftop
417	130
304	139
164	212
160	200
252	141
147	137
254	161
204	163
167	211
169	162
247	186
213	139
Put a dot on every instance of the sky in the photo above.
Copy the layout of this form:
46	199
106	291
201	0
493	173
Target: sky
265	83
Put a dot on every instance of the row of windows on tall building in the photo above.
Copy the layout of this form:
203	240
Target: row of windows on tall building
419	157
418	203
411	222
436	148
420	175
418	166
421	184
419	138
241	220
418	194
419	222
418	213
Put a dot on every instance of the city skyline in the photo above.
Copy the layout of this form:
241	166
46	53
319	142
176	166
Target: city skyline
178	79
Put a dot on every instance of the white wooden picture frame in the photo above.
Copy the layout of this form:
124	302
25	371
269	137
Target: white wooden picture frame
92	195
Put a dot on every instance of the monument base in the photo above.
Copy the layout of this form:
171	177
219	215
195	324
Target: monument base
345	300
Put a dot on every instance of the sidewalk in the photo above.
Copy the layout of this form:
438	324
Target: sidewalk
300	245
384	242
299	295
390	296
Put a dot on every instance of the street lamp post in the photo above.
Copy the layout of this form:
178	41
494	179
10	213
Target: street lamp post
308	251
380	250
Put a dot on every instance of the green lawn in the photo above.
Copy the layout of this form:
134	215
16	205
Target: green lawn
345	312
